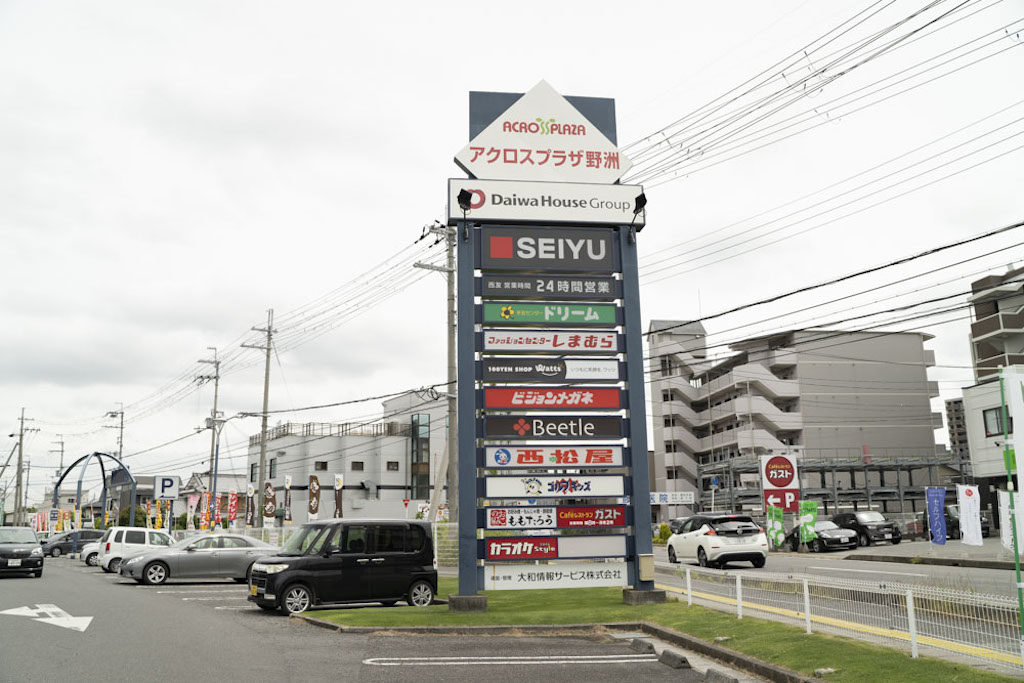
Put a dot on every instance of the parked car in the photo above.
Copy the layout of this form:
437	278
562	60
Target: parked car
90	553
339	561
830	537
952	514
63	543
871	526
674	525
120	541
20	552
224	555
715	539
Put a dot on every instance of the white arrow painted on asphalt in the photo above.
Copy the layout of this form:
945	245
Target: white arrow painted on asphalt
51	614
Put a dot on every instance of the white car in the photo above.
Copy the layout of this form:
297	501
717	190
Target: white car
90	553
714	539
124	541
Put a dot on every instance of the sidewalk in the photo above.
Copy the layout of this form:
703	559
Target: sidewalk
990	555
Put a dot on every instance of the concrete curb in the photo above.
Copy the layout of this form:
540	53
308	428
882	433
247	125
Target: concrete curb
683	640
943	561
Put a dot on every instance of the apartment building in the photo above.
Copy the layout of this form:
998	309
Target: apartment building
854	406
956	426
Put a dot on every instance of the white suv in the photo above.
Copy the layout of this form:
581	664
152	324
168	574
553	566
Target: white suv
714	539
123	541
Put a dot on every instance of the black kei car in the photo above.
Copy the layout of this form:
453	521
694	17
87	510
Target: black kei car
20	552
870	526
345	561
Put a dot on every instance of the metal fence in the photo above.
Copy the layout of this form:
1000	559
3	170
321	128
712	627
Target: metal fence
952	624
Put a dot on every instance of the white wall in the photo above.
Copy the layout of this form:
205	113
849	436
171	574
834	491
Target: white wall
986	456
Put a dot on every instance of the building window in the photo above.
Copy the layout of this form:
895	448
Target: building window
252	472
666	396
320	465
392	465
357	465
273	467
993	418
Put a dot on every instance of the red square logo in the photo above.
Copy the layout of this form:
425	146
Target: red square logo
501	247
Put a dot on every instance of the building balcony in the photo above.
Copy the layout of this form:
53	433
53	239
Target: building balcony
998	325
759	377
988	368
782	357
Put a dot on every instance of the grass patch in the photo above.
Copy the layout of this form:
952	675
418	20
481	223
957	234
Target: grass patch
773	642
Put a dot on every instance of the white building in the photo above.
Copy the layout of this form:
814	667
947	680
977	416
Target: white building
384	462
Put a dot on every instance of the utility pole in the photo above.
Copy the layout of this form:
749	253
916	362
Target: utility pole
449	463
269	330
212	424
60	468
120	429
21	491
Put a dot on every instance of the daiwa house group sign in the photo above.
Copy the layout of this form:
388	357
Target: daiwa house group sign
552	425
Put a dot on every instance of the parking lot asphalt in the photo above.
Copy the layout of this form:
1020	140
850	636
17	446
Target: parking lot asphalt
79	622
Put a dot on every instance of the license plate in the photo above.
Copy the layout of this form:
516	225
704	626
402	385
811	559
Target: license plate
888	536
13	563
252	589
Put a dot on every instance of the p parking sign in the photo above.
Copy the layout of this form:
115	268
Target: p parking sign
165	487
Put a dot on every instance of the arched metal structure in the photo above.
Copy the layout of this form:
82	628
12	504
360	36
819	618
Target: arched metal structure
84	461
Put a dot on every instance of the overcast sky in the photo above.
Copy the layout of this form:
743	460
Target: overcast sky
169	171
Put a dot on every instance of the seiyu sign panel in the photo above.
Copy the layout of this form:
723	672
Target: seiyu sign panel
553	547
519	201
562	517
545	427
552	370
553	398
565	341
593	574
551	456
566	250
551	287
551	315
549	486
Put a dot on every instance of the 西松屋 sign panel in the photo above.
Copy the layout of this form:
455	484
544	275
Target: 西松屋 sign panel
579	574
553	314
514	201
554	486
552	398
542	286
561	517
551	370
539	341
559	250
552	456
553	547
542	137
552	427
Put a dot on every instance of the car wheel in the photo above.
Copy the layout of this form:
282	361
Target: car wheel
114	566
862	538
702	558
795	545
758	563
420	594
55	552
816	546
37	573
155	573
91	560
672	555
896	540
296	599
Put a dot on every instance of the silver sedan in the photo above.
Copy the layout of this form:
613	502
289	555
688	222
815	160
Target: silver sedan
221	555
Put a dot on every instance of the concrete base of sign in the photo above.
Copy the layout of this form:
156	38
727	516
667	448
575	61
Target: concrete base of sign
631	596
467	603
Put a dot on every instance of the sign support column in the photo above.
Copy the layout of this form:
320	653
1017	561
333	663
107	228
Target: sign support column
641	569
469	574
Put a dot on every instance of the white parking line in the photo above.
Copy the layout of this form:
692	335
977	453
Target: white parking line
866	571
233	607
509	660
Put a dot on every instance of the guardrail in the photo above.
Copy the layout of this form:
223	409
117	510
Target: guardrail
951	624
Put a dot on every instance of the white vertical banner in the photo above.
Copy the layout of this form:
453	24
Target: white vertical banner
969	500
1005	529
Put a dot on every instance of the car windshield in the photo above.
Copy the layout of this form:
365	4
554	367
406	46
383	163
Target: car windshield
17	535
732	523
301	540
825	525
863	517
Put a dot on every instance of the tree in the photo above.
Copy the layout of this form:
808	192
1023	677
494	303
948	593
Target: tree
140	517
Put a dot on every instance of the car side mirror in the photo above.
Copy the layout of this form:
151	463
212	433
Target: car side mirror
190	549
332	550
